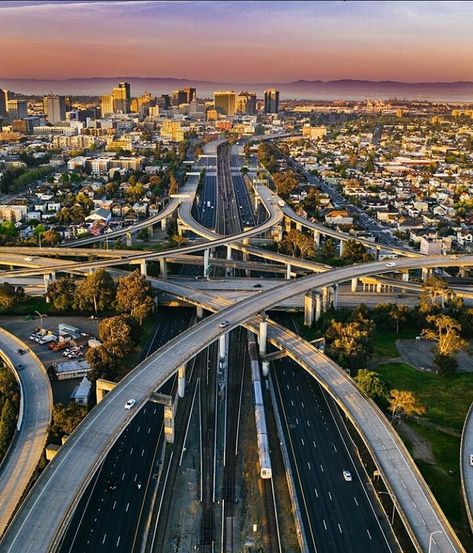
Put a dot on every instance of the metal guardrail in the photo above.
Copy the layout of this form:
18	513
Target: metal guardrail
468	505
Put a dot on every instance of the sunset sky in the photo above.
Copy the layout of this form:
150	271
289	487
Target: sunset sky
238	41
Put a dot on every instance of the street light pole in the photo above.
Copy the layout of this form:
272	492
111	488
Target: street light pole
393	499
432	534
41	315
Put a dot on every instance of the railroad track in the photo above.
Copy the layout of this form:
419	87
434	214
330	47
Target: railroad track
272	524
207	425
237	364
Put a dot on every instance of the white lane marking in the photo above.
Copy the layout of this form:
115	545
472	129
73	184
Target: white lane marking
369	535
321	468
340	528
313	442
325	524
118	541
330	495
302	441
308	464
316	492
114	505
127	505
104	538
356	501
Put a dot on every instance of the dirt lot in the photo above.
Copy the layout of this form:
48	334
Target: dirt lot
419	354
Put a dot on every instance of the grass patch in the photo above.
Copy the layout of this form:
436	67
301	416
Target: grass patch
443	477
385	341
447	399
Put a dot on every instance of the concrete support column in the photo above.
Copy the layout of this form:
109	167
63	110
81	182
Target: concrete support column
335	296
426	273
342	247
164	223
200	312
405	275
229	253
354	284
263	334
150	231
379	287
265	367
463	272
163	267
257	200
308	308
144	267
288	271
288	224
206	262
212	253
299	227
325	295
318	306
46	282
378	250
129	239
316	239
181	380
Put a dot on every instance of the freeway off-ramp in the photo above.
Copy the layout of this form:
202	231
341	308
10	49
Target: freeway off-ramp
28	444
45	512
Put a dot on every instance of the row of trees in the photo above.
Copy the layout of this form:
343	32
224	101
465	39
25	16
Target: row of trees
97	293
10	295
9	405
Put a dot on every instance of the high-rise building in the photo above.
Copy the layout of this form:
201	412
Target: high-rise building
164	101
3	103
55	108
106	105
271	101
183	96
225	102
142	104
17	109
121	98
246	103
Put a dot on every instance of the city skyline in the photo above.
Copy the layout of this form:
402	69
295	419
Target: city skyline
400	41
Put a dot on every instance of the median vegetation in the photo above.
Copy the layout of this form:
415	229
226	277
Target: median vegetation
9	407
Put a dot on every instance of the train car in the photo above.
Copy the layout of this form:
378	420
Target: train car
260	417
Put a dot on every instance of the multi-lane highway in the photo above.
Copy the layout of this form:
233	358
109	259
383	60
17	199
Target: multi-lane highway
28	444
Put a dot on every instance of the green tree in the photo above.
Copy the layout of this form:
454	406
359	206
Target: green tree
65	419
398	314
371	384
285	183
102	363
134	296
355	252
350	343
445	330
329	250
8	296
51	238
432	288
404	402
62	293
95	293
7	426
117	336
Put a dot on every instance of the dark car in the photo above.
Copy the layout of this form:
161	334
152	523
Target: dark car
20	366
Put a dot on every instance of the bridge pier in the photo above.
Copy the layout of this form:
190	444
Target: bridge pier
354	284
309	308
378	251
277	233
181	380
163	268
463	272
325	299
150	232
405	275
170	407
200	312
129	239
263	334
426	273
299	226
144	267
316	239
103	386
342	247
206	262
229	253
379	287
163	223
335	296
257	201
318	306
265	368
287	224
288	271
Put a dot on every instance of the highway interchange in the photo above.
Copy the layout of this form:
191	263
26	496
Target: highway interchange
55	495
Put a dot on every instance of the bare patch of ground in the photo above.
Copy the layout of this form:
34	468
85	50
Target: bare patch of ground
420	355
421	448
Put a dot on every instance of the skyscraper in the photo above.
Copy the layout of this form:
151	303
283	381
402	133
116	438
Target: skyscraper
121	98
183	96
17	109
106	105
55	108
225	102
3	103
271	101
246	103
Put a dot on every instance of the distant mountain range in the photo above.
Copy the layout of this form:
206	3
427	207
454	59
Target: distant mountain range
460	91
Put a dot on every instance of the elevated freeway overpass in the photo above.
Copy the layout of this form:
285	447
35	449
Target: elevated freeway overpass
44	515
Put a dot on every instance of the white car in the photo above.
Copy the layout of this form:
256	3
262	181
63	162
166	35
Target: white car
129	404
224	324
28	259
391	264
471	459
347	476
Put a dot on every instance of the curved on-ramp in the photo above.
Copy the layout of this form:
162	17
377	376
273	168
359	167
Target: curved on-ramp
46	511
29	441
